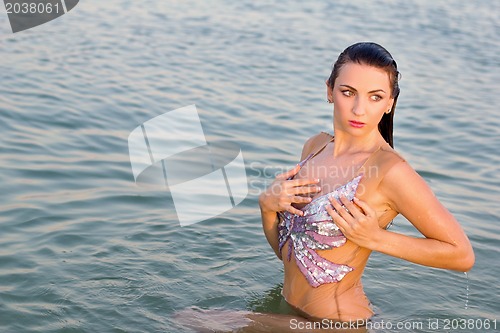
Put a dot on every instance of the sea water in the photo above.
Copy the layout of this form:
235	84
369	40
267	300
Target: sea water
83	249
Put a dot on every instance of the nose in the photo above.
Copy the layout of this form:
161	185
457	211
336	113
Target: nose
359	107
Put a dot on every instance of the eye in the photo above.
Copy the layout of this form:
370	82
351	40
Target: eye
347	93
376	98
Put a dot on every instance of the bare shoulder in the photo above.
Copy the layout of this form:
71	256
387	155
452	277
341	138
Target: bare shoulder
315	143
401	180
397	168
389	155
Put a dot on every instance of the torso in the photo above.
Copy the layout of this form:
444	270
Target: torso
343	300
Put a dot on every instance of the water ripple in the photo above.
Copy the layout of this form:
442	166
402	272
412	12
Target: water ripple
84	249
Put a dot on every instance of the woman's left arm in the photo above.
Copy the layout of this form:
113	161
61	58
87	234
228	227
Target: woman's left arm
445	244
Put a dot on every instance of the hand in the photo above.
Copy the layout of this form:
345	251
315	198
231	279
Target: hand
283	192
357	221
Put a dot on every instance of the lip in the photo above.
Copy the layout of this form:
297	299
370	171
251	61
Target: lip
356	124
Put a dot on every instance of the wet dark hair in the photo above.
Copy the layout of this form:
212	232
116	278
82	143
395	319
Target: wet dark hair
372	54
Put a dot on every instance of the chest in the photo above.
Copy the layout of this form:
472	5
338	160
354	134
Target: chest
333	175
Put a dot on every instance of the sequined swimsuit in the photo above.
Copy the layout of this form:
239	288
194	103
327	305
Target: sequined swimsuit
316	231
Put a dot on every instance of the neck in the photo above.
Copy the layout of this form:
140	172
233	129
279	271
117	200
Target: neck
348	144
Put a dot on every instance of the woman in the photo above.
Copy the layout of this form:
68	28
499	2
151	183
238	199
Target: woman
324	217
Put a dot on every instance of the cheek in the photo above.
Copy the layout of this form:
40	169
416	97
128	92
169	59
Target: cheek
341	108
341	102
380	109
378	113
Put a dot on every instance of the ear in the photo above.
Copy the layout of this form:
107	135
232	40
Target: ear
329	92
391	103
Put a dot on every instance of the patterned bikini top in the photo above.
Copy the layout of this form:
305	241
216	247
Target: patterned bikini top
316	231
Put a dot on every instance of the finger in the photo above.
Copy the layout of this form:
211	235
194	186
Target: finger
341	210
365	207
299	199
305	190
289	173
304	181
353	210
295	211
339	220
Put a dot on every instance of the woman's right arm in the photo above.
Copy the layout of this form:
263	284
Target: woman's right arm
279	197
270	226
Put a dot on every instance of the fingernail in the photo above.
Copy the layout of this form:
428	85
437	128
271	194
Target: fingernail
356	199
317	180
318	188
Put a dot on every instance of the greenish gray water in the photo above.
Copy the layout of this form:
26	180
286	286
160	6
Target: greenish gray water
83	249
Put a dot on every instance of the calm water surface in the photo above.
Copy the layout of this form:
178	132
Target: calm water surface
83	249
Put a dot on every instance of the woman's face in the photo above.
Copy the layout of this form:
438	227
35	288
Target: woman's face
361	95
